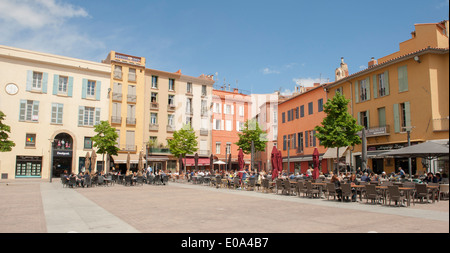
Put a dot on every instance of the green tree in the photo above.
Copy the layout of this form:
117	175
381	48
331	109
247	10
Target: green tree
184	142
106	139
252	132
5	144
339	128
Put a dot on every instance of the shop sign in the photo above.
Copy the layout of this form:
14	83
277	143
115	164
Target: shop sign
63	153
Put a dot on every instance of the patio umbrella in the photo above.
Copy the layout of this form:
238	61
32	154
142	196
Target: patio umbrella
229	161
180	161
128	164
428	150
274	161
280	161
241	159
140	163
87	162
196	161
316	163
211	160
93	161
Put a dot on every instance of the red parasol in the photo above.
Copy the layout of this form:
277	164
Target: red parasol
316	164
274	161
241	159
280	161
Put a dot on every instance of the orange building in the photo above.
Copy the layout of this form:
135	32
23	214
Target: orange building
230	110
297	118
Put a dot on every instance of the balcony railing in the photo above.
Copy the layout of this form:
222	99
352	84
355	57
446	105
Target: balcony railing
127	148
154	106
441	124
118	74
153	127
204	152
132	77
131	121
204	132
131	98
116	120
171	108
170	128
117	96
159	151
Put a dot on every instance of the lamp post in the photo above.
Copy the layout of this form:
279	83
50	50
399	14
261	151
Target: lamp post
52	141
408	136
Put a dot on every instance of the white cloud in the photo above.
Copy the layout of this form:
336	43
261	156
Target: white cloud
308	82
267	71
43	25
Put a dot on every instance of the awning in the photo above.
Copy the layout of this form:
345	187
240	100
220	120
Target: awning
201	161
157	158
331	153
122	158
301	159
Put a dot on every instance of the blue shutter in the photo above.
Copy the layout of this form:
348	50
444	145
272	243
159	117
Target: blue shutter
80	115
29	80
44	82
84	88
70	87
22	110
98	88
97	116
55	84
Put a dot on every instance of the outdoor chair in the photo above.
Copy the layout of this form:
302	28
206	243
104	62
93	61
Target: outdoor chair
236	183
165	180
64	181
346	191
279	184
266	185
372	194
251	184
120	179
100	180
288	187
72	182
443	190
218	182
150	179
140	180
422	192
127	181
331	190
301	188
395	195
156	180
88	181
310	191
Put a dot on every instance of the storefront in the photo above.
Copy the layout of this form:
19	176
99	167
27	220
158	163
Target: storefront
28	166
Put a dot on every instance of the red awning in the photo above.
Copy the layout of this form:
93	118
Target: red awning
201	161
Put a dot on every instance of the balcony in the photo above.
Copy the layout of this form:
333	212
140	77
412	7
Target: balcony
170	128
131	98
116	96
441	124
154	106
116	120
171	108
129	59
204	152
127	148
117	74
153	127
204	132
189	111
131	121
152	151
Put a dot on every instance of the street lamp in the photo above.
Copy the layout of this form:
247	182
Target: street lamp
408	134
52	141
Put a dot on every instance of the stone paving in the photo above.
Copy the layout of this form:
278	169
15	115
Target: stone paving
42	207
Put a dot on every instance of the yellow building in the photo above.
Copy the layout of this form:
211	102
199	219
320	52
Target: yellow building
407	90
127	104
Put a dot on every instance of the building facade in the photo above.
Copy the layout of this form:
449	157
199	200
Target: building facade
52	104
406	91
126	106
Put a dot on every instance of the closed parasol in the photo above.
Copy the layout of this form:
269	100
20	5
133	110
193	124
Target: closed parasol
316	163
87	162
280	161
180	162
211	160
241	159
229	161
196	161
274	161
128	164
93	161
140	163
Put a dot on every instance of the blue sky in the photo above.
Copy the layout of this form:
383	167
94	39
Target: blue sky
259	45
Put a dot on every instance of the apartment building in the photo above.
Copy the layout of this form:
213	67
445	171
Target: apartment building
173	100
230	111
52	104
406	91
126	106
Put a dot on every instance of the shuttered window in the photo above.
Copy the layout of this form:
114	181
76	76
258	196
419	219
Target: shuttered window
57	113
402	79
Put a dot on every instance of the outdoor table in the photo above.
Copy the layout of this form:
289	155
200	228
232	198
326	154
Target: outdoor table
360	186
320	186
408	191
434	189
383	189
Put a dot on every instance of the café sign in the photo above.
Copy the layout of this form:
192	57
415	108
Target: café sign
63	153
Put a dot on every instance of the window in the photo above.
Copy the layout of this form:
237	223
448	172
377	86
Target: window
228	125
171	100
381	85
189	120
88	116
300	142
28	166
170	120
283	117
310	108
37	81
62	85
87	143
312	141
228	109
403	117
29	110
218	124
241	111
132	75
320	104
204	92
154	118
382	117
189	88
217	108
302	111
171	84
154	97
402	79
90	92
228	148
30	140
239	126
340	90
296	113
284	142
117	91
189	109
204	108
218	148
57	113
363	90
118	72
364	119
154	82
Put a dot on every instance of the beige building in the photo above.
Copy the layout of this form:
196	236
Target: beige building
172	100
126	107
49	98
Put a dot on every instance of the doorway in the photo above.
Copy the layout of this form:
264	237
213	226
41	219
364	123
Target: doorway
377	165
62	154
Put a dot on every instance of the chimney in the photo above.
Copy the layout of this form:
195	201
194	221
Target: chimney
316	84
235	90
372	62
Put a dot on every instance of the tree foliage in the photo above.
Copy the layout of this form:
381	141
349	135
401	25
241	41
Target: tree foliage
252	132
184	141
339	128
106	139
5	144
